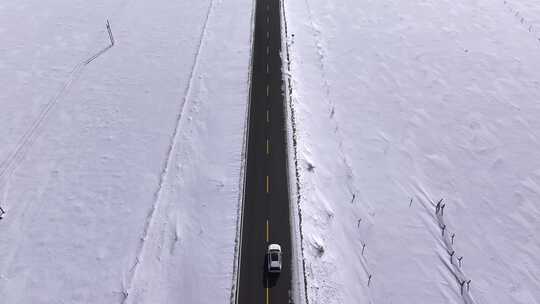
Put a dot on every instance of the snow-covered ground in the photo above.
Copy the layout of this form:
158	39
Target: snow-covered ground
399	104
121	177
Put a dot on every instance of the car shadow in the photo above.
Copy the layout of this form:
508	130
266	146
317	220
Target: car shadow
269	279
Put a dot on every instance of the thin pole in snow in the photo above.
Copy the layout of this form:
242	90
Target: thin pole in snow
438	206
111	37
443	228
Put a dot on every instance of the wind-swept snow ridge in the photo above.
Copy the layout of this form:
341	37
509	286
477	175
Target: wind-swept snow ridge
419	97
132	275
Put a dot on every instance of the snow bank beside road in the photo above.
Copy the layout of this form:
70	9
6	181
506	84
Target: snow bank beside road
421	100
192	237
79	203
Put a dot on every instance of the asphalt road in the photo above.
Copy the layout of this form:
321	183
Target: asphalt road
266	199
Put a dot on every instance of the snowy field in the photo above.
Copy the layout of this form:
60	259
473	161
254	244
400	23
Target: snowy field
400	104
120	177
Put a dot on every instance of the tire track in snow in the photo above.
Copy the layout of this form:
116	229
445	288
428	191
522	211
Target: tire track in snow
9	164
132	273
25	142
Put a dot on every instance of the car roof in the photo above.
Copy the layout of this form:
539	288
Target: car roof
274	247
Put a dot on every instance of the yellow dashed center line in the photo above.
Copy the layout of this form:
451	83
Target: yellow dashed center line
267	294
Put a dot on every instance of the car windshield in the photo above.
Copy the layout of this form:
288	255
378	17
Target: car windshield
274	256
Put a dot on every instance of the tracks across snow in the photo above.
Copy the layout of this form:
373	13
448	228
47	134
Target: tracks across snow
149	225
9	164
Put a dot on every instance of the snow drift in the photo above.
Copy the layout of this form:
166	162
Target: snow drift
401	104
128	190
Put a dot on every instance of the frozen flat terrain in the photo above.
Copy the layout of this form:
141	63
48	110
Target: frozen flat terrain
120	178
421	100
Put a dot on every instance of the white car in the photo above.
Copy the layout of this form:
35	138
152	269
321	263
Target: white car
274	258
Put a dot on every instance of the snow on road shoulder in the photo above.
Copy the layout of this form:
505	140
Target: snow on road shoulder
189	249
420	100
79	200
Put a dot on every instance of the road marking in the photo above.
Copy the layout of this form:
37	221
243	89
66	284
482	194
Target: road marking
267	115
267	147
267	69
267	35
267	231
267	50
267	295
267	90
267	19
267	184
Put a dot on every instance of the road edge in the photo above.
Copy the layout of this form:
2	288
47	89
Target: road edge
235	284
298	265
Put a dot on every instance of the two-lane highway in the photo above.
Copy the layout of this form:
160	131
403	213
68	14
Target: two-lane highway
266	197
